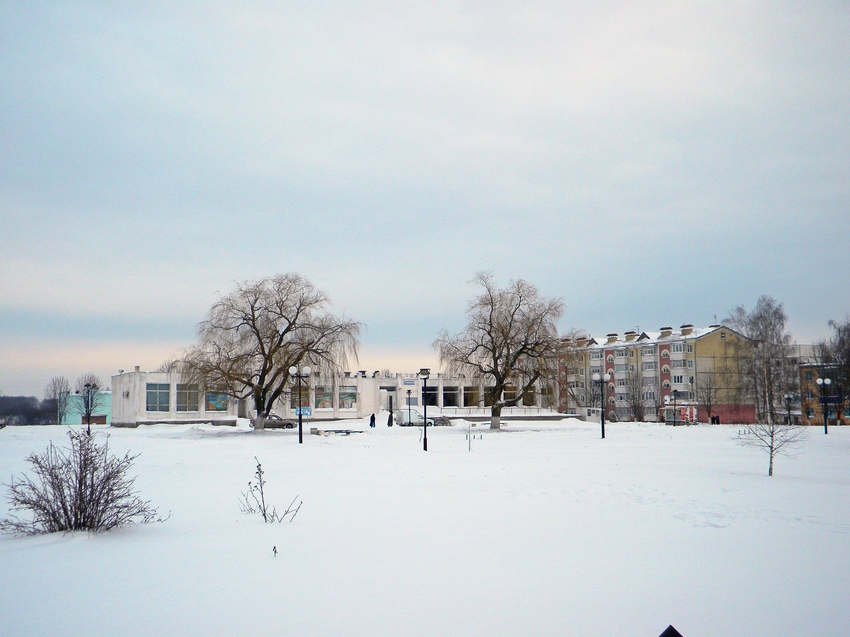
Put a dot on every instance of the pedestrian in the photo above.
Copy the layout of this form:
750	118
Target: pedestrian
372	421
390	420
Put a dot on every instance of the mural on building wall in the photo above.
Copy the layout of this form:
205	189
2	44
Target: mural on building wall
216	402
348	397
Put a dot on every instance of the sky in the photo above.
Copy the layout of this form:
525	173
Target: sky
650	163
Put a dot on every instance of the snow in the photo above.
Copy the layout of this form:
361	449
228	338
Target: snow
542	529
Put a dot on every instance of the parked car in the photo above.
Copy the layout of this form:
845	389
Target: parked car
413	418
273	421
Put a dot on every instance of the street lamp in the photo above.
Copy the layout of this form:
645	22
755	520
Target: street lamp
297	374
824	384
408	407
788	399
675	410
602	379
424	373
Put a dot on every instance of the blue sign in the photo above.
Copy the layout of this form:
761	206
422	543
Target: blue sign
306	412
409	382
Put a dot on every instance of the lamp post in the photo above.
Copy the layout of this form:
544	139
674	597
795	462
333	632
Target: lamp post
424	373
824	384
675	409
602	379
408	407
788	399
297	374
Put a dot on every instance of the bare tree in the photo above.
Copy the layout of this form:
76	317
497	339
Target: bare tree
708	391
774	437
833	356
511	339
764	355
252	336
88	388
57	392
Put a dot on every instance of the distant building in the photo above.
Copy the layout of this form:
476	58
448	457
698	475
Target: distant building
100	416
684	375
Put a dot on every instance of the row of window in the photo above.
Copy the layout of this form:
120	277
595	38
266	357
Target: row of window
158	398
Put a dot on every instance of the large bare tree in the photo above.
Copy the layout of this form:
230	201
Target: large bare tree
57	392
833	357
252	336
510	342
764	356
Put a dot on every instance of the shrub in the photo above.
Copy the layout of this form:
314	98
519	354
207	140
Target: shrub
80	488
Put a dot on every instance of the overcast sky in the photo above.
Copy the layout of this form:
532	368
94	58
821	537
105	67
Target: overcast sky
650	163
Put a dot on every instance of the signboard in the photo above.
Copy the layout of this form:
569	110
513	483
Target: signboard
306	412
409	382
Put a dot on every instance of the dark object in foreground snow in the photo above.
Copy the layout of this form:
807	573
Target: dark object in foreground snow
670	632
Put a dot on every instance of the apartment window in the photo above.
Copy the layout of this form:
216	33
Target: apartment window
596	356
581	372
620	367
678	380
622	397
665	354
610	358
621	382
677	364
690	349
690	363
810	413
216	402
187	397
809	394
595	369
631	353
649	365
722	336
666	384
620	353
157	396
665	369
648	350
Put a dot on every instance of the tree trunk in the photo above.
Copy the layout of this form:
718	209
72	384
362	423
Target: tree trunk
496	417
259	422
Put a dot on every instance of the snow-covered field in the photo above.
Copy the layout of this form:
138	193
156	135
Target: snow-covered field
542	529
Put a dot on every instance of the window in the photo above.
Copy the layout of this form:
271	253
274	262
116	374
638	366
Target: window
595	369
665	369
187	397
620	353
510	392
648	395
690	348
596	356
722	336
810	413
610	358
157	396
470	397
530	398
620	367
809	394
808	376
451	397
690	363
581	372
429	396
323	397
347	397
631	353
666	384
677	348
678	380
621	382
665	354
677	364
216	402
649	366
648	350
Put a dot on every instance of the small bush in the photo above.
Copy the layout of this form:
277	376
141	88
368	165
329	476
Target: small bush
254	500
81	488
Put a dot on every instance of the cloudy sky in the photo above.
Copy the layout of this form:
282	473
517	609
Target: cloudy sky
651	163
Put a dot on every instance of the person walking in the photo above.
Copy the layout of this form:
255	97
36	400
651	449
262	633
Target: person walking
372	421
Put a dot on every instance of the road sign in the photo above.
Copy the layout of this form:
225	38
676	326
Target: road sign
306	412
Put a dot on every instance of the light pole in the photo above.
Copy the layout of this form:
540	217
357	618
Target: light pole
824	384
602	379
408	407
675	410
424	373
788	399
304	373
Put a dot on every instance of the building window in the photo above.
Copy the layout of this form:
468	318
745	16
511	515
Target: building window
216	402
620	353
666	384
808	376
665	354
323	397
678	380
299	396
348	397
690	349
677	348
648	350
581	372
620	367
187	397
631	353
470	396
595	369
810	412
596	356
665	370
677	364
610	358
621	382
722	336
451	397
649	365
157	396
690	363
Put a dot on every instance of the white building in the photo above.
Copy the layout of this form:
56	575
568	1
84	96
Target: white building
162	397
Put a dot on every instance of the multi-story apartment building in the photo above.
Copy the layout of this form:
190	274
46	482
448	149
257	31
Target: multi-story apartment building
826	395
669	375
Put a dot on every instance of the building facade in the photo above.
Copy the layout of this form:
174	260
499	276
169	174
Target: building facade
684	375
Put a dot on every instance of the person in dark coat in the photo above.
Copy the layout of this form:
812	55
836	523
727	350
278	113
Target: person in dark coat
390	420
372	421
